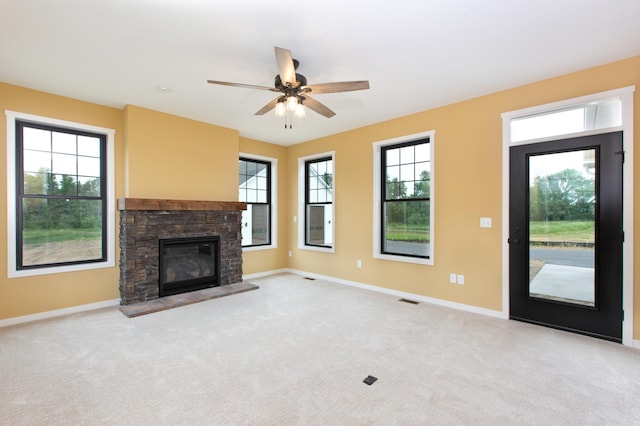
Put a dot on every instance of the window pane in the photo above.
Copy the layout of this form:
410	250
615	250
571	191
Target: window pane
64	185
406	230
57	231
423	187
64	143
36	183
261	183
313	182
260	224
64	164
318	225
88	146
251	168
262	197
36	139
36	161
596	115
423	152
422	171
89	166
392	190
393	157
88	186
393	173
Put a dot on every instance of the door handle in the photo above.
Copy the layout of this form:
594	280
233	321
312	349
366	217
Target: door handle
515	241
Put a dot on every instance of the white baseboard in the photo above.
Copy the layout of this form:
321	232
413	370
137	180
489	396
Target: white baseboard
58	312
402	294
264	274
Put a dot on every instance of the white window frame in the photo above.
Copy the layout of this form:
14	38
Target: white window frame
274	201
302	218
12	270
626	96
377	199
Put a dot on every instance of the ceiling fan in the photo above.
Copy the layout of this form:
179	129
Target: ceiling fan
295	90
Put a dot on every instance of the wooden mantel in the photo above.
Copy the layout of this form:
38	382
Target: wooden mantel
156	204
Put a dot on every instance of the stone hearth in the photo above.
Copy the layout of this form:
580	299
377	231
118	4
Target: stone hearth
143	222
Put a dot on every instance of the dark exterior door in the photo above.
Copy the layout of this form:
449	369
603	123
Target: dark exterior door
565	234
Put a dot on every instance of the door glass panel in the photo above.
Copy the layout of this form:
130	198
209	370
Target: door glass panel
562	202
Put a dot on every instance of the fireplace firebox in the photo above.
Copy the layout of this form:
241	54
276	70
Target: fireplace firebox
188	264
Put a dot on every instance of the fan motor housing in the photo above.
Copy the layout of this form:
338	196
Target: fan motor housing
301	79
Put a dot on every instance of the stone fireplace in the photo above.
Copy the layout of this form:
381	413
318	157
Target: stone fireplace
144	223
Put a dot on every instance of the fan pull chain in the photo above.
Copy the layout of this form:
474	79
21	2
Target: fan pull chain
288	117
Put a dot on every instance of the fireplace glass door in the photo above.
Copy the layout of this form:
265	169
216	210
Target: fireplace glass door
188	264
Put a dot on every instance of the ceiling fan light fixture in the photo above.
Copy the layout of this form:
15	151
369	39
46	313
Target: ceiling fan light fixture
292	103
293	90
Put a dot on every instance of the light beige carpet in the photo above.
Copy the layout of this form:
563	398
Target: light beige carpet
296	352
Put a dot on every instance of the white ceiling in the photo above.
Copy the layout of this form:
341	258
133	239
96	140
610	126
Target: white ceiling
417	54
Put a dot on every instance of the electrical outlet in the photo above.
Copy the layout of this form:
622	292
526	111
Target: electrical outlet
290	254
485	222
359	263
461	279
452	278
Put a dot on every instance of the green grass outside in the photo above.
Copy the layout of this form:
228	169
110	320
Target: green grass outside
39	236
571	231
575	231
565	230
414	234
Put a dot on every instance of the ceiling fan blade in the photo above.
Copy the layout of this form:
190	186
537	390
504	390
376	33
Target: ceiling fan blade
316	106
268	107
247	86
342	86
286	69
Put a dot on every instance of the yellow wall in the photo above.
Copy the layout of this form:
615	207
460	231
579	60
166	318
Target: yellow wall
157	155
269	260
22	296
467	185
177	158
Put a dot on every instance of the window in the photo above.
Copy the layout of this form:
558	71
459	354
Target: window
593	115
255	188
404	208
317	183
60	188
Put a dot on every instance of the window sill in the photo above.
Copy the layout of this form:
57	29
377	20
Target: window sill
317	248
405	259
259	248
14	273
